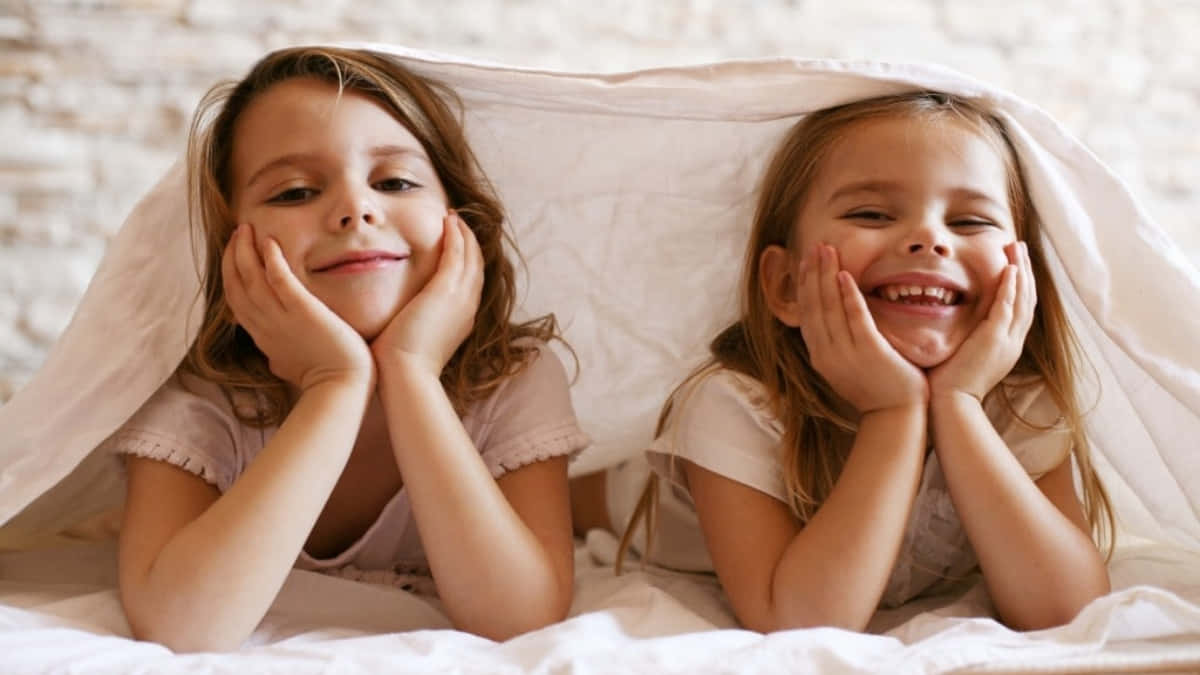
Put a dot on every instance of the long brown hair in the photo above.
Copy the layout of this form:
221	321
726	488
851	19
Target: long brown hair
223	352
817	437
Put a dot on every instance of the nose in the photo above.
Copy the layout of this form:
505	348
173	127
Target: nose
927	236
363	214
355	208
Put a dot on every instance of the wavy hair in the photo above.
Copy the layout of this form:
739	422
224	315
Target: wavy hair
817	437
223	352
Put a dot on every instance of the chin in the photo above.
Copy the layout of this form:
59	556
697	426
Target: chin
923	357
369	330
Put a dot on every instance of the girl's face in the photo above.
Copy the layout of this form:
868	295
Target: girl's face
346	190
918	213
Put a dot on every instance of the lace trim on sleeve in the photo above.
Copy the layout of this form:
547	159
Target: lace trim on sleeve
149	448
541	444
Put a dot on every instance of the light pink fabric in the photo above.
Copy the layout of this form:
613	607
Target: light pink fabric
190	423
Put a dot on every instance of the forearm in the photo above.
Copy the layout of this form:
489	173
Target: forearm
494	576
836	568
212	582
1040	567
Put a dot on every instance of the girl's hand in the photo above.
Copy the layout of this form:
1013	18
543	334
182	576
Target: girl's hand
436	321
992	349
844	345
304	341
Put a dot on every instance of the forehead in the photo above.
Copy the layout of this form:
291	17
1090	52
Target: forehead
930	151
307	116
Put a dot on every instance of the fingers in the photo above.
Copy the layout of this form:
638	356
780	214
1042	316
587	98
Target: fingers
242	269
1000	315
859	323
284	285
812	326
473	269
1027	292
232	280
1017	291
451	263
460	269
832	304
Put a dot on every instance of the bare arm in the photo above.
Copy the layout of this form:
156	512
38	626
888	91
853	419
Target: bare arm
501	552
198	570
1038	561
832	571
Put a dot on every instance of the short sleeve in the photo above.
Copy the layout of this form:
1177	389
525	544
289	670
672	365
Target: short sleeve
722	424
187	423
528	418
1032	426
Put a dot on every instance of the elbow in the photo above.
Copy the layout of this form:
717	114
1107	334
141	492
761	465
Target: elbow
1057	609
777	619
841	622
183	643
503	628
517	618
185	640
176	633
514	627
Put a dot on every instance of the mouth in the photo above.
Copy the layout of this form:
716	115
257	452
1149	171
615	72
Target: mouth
360	261
915	294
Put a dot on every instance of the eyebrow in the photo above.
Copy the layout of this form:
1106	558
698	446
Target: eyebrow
885	187
377	152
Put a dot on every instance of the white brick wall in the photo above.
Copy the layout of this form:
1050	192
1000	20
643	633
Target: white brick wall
95	95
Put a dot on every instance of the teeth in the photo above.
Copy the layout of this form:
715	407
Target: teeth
938	294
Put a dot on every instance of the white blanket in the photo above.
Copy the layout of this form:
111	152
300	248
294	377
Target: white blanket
630	196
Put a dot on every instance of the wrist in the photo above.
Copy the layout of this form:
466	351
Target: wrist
402	370
952	402
894	414
350	384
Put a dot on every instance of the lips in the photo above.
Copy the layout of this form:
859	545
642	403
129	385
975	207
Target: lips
916	294
919	288
359	260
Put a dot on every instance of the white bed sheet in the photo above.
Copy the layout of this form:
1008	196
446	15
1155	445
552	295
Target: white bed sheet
630	195
59	612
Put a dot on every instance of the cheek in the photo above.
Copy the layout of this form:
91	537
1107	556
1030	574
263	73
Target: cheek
291	245
855	254
989	271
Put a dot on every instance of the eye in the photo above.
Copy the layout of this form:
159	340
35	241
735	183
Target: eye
294	195
395	185
972	224
869	217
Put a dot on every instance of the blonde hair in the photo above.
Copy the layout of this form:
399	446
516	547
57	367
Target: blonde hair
817	437
223	352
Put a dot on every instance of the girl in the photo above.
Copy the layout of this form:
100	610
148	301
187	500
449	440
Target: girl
358	395
895	405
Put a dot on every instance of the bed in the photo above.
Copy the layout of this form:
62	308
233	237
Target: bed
630	196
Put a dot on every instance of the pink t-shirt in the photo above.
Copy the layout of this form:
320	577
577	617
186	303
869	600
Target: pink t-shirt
189	423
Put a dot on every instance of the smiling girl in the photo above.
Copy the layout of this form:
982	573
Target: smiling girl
358	397
896	406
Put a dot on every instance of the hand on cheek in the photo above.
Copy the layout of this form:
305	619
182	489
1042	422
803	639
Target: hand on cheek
845	346
427	331
992	349
304	341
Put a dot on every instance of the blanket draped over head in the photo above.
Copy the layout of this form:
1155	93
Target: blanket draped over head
631	196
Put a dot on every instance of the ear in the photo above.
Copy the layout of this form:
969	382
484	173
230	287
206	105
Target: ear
778	274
